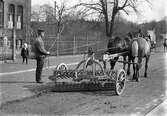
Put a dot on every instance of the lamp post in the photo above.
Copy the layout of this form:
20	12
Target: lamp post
14	44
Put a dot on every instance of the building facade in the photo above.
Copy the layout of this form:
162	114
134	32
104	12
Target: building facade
15	18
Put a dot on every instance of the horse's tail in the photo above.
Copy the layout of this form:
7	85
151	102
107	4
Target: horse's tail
134	48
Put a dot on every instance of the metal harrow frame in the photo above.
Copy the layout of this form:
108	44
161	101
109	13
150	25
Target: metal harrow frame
83	78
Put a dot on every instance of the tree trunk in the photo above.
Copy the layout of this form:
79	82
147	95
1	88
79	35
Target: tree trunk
106	23
107	27
111	28
112	22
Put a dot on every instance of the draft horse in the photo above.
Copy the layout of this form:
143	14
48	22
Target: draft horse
118	45
139	48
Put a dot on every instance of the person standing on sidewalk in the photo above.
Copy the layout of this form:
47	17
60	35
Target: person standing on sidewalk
25	53
40	54
5	47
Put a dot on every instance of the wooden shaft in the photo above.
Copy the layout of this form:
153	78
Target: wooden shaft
123	62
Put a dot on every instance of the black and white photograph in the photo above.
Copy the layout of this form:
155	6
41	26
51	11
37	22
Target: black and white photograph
83	58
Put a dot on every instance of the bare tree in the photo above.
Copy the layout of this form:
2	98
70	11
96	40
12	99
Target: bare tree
35	16
109	9
41	13
60	11
47	12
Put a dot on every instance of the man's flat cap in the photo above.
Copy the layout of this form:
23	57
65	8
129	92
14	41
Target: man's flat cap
40	30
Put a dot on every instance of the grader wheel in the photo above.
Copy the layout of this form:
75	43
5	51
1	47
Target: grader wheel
81	69
59	70
120	81
62	67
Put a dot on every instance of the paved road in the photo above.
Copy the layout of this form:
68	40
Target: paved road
138	99
16	79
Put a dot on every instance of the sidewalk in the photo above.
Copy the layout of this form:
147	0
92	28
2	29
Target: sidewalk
17	80
160	110
11	66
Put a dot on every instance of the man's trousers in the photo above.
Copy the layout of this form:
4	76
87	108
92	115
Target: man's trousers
40	63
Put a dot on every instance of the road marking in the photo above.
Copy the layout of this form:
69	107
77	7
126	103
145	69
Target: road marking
30	70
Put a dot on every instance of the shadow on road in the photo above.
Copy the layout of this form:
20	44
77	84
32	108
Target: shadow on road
40	88
13	63
50	87
100	93
158	51
14	82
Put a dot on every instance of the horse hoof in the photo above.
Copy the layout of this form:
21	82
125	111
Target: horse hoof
128	73
145	75
137	80
133	78
111	68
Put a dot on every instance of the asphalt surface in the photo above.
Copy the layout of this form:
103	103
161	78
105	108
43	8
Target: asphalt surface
139	98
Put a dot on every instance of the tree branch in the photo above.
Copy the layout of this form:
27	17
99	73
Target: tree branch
123	6
125	11
86	4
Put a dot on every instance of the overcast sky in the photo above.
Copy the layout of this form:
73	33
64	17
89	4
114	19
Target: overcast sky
156	11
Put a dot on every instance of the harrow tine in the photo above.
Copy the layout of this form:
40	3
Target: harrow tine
61	77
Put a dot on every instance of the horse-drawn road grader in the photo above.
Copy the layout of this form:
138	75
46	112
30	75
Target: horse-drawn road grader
89	75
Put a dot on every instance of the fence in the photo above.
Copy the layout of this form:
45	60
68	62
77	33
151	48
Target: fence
64	45
74	45
5	51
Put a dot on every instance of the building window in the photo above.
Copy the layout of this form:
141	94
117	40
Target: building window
19	17
11	16
1	13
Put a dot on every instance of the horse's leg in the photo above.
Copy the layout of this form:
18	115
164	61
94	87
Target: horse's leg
139	65
129	60
112	63
146	65
104	65
124	64
134	68
164	48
